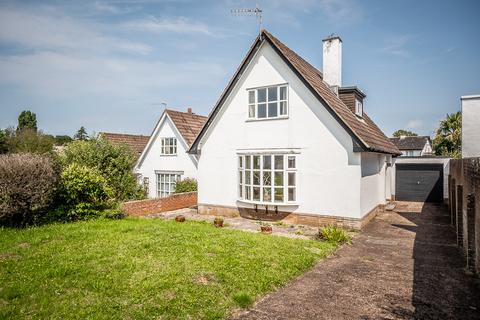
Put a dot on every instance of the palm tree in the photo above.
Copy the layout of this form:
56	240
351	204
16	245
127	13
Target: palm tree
448	141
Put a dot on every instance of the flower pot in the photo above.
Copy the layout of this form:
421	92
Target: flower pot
180	218
218	222
266	229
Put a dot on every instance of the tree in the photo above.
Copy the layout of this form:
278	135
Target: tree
61	140
27	120
3	142
402	132
448	139
29	141
81	134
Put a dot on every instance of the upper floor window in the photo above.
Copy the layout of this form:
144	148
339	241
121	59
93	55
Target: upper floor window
169	146
358	108
268	102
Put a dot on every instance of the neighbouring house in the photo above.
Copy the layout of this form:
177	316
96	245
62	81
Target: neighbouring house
134	141
413	146
165	160
286	141
470	126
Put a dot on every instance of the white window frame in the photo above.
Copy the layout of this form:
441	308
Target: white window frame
247	184
358	107
252	109
166	182
168	146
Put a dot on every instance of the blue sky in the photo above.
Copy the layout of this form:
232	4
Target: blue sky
108	65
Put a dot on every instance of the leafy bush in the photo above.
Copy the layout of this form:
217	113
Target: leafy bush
114	162
29	141
85	192
334	234
28	185
186	185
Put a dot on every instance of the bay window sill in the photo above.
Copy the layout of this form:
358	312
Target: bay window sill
270	204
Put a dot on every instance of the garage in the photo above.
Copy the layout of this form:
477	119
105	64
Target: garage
419	182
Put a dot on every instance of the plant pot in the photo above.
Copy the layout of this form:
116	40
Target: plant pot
180	218
218	222
266	229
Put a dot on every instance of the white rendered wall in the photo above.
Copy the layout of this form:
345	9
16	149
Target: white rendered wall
470	126
154	161
373	182
328	170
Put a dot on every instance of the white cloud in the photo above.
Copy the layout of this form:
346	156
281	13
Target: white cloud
414	124
398	45
175	25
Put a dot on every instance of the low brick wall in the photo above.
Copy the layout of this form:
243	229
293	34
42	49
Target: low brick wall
150	206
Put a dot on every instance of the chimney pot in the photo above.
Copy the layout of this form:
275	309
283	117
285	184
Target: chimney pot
189	110
332	60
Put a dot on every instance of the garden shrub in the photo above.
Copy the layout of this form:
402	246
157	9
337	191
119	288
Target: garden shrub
85	192
114	162
28	185
334	234
186	185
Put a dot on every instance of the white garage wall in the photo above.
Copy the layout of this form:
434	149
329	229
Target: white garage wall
372	186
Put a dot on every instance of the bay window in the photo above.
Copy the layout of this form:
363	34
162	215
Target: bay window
268	102
166	183
267	178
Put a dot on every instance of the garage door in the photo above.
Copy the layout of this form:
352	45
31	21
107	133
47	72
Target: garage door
419	182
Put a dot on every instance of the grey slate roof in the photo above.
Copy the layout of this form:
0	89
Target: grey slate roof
410	143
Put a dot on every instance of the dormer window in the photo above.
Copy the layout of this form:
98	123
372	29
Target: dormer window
268	102
358	107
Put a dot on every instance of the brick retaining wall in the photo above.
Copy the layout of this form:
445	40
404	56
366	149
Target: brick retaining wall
150	206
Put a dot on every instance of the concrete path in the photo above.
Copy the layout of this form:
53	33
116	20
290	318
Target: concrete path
403	265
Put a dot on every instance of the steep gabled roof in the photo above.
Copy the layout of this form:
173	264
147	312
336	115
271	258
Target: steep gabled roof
411	143
365	133
188	124
136	142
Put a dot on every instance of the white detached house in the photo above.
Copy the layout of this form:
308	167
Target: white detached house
285	141
165	160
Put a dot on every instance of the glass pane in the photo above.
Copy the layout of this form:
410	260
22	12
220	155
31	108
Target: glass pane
167	178
256	162
291	162
251	111
248	194
248	162
240	162
272	110
278	194
272	94
291	194
279	162
240	191
240	177
256	193
256	178
262	110
283	108
278	178
267	178
267	162
262	95
283	93
291	178
267	194
248	177
251	96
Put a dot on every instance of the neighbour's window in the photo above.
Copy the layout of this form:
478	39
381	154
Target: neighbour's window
358	108
166	183
169	146
268	102
268	178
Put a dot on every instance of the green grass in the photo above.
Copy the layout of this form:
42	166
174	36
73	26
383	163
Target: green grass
139	268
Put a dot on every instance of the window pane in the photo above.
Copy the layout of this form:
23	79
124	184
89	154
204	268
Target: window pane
240	191
278	194
256	162
291	178
256	193
262	95
248	162
248	176
251	96
256	178
291	194
272	110
278	178
267	194
248	194
283	93
272	94
278	162
291	162
240	177
267	178
251	111
240	162
262	110
267	162
283	108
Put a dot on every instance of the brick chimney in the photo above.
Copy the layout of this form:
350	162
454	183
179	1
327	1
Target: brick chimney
332	61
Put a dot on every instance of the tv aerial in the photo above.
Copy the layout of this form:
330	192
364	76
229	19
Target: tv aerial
257	12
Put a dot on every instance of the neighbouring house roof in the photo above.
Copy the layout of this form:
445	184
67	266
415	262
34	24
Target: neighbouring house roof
136	142
188	124
411	143
366	135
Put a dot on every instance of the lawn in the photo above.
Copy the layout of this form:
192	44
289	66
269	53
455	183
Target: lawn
138	268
